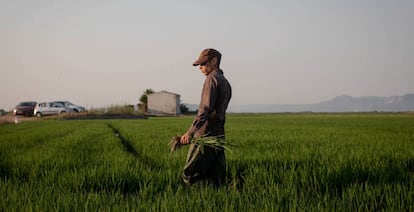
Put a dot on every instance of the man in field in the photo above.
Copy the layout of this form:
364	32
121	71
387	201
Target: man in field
210	164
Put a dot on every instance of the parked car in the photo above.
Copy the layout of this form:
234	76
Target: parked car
24	108
50	108
2	112
74	107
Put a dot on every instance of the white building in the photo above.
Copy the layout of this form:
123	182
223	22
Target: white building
163	103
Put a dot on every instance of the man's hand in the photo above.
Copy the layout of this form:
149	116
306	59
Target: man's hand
185	139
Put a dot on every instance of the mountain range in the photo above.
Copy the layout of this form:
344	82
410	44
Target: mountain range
343	103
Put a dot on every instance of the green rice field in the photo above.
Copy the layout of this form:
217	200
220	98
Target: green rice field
280	162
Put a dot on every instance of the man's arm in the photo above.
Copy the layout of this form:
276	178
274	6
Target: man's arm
208	100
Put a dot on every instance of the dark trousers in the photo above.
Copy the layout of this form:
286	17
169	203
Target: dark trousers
205	163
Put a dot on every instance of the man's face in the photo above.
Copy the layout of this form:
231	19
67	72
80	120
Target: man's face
207	67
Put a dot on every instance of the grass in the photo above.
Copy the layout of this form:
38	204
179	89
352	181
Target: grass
316	162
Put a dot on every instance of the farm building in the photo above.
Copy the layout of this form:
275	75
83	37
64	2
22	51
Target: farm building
163	103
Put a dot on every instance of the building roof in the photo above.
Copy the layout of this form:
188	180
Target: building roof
166	92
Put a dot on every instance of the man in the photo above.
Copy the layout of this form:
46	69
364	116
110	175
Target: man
209	164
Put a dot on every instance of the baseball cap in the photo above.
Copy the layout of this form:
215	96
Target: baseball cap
206	55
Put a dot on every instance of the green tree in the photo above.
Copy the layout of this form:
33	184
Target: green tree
184	108
143	106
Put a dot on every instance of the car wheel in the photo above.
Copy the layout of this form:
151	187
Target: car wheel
39	115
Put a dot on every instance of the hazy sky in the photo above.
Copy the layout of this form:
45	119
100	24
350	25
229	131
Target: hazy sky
100	52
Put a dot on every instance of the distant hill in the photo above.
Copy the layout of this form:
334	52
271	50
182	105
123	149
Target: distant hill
343	103
192	107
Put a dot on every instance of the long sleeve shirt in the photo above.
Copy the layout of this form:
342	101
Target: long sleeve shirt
211	115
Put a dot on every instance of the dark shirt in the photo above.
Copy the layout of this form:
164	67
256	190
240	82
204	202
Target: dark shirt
211	114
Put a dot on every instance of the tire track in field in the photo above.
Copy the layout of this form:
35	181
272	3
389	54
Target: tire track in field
5	167
147	161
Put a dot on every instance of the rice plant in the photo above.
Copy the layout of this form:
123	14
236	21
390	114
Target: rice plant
313	162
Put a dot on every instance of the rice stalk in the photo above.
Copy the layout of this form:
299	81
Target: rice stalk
216	142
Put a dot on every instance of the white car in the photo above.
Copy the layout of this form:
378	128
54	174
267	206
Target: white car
50	108
75	108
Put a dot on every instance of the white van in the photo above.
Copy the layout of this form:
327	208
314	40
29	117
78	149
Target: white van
50	108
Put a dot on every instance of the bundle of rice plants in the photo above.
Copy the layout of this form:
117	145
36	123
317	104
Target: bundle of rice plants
216	142
175	143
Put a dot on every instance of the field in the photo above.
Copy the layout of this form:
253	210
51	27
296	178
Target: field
315	162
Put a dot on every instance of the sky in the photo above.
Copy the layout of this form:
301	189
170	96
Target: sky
98	53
